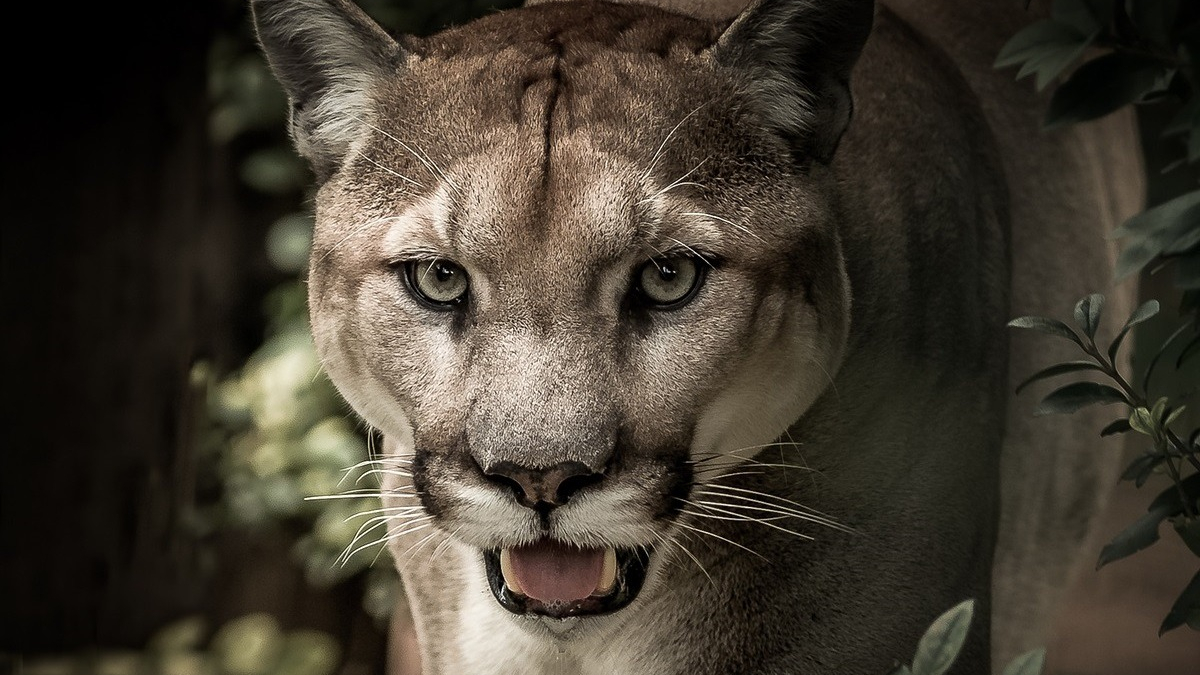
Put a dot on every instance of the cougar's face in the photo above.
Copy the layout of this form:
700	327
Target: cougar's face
568	274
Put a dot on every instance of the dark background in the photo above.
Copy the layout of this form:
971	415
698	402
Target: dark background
130	251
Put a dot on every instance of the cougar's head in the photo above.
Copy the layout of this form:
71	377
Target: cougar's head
574	260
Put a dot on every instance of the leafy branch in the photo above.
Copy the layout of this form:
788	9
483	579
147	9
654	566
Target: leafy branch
1169	452
1147	54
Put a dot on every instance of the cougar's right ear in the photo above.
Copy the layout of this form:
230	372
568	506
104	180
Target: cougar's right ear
328	55
799	54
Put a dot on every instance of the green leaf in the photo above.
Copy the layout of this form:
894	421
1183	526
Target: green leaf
1170	498
1191	349
900	670
1144	531
1087	313
1165	216
1190	303
1029	663
1103	85
1048	326
1136	537
1140	469
1141	421
308	652
1152	231
250	645
1188	530
1058	369
1147	310
274	171
1075	397
1038	38
940	645
1085	16
1159	410
180	636
1153	18
289	241
1048	65
1186	608
1186	120
1046	48
1189	240
1174	414
1116	427
1187	269
1166	346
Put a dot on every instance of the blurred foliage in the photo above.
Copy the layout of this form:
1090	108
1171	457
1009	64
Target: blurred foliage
280	436
254	644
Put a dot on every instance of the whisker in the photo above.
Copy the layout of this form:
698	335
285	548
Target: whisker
383	472
399	492
411	552
735	474
742	228
679	545
777	512
354	232
808	511
678	182
733	515
437	550
395	173
423	158
773	515
407	528
705	260
386	509
663	145
699	530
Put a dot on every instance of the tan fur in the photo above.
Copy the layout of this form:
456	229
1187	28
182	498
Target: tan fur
846	352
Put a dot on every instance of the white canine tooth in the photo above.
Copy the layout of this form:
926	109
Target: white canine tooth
506	570
608	573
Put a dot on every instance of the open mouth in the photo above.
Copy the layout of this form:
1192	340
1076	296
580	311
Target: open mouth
556	579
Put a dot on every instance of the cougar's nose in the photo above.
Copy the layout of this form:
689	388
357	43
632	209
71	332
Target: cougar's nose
543	489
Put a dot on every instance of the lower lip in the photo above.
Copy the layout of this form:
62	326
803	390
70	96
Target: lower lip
631	575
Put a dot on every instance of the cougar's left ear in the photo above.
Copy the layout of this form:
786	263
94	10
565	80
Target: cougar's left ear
800	54
327	54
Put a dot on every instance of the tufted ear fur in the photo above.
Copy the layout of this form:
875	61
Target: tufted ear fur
800	54
327	54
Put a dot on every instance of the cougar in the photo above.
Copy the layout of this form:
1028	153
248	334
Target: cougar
684	324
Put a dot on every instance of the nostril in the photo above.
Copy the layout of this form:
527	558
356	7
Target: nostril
508	482
574	483
542	488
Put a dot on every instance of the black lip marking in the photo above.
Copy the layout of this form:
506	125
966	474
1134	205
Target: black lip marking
631	575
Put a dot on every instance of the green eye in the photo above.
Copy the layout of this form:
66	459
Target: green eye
439	284
666	283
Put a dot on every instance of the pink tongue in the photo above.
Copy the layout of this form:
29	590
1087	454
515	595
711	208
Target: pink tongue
551	571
